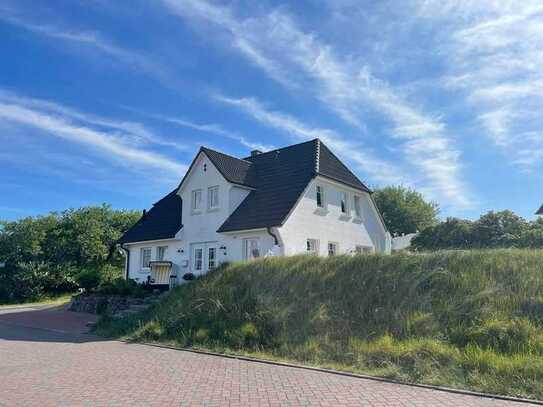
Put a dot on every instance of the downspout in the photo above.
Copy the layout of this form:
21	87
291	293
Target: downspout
127	266
275	239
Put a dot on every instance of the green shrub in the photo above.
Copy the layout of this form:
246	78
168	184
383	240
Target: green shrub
122	287
88	279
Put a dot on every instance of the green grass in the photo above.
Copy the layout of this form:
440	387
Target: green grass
466	319
53	300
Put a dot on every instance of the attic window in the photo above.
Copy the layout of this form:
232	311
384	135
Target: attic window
196	200
343	196
320	196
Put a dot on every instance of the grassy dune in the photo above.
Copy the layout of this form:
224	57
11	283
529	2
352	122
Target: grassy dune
470	319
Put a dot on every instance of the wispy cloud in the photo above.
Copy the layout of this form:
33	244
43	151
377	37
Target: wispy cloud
120	147
132	132
210	128
494	52
90	40
275	43
356	153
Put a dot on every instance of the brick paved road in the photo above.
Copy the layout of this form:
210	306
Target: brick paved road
41	368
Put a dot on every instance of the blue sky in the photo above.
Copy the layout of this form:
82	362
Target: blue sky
105	101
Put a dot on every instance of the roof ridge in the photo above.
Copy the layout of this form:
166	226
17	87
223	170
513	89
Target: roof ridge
318	156
204	148
282	148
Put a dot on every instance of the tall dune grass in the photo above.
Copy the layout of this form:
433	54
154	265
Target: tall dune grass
470	319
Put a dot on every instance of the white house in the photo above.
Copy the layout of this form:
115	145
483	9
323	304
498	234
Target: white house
293	200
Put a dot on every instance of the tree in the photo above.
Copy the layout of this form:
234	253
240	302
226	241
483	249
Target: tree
499	229
45	254
453	233
405	210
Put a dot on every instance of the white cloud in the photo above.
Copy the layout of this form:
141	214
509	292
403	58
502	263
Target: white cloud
379	170
110	144
211	128
494	52
91	40
346	85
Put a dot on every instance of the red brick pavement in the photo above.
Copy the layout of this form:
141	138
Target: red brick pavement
44	368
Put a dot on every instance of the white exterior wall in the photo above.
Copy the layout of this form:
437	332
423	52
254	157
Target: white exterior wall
201	227
136	272
307	221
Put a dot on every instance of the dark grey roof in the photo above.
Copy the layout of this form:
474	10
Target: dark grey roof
278	179
540	211
231	168
331	167
282	176
162	221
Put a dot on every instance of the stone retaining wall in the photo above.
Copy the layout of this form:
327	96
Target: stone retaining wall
98	304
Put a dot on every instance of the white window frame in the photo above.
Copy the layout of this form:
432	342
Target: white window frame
316	246
211	263
361	249
357	205
196	204
201	259
319	190
249	255
143	256
335	245
344	202
159	256
210	204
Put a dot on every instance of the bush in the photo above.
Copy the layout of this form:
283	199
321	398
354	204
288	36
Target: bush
122	287
88	279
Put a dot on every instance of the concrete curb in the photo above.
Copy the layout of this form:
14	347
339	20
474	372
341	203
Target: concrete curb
343	373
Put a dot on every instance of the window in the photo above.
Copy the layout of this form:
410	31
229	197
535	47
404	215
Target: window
357	207
320	196
145	257
212	258
363	250
213	197
251	249
161	252
196	200
312	246
343	198
198	259
332	249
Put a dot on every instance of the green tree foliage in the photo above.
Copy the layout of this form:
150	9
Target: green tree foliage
45	254
493	230
405	210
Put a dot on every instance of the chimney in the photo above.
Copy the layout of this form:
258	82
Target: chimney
255	153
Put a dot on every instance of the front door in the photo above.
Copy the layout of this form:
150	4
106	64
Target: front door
204	257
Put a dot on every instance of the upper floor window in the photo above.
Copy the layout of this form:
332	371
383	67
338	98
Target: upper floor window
161	252
196	200
357	206
312	246
320	196
213	197
343	202
145	257
332	248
